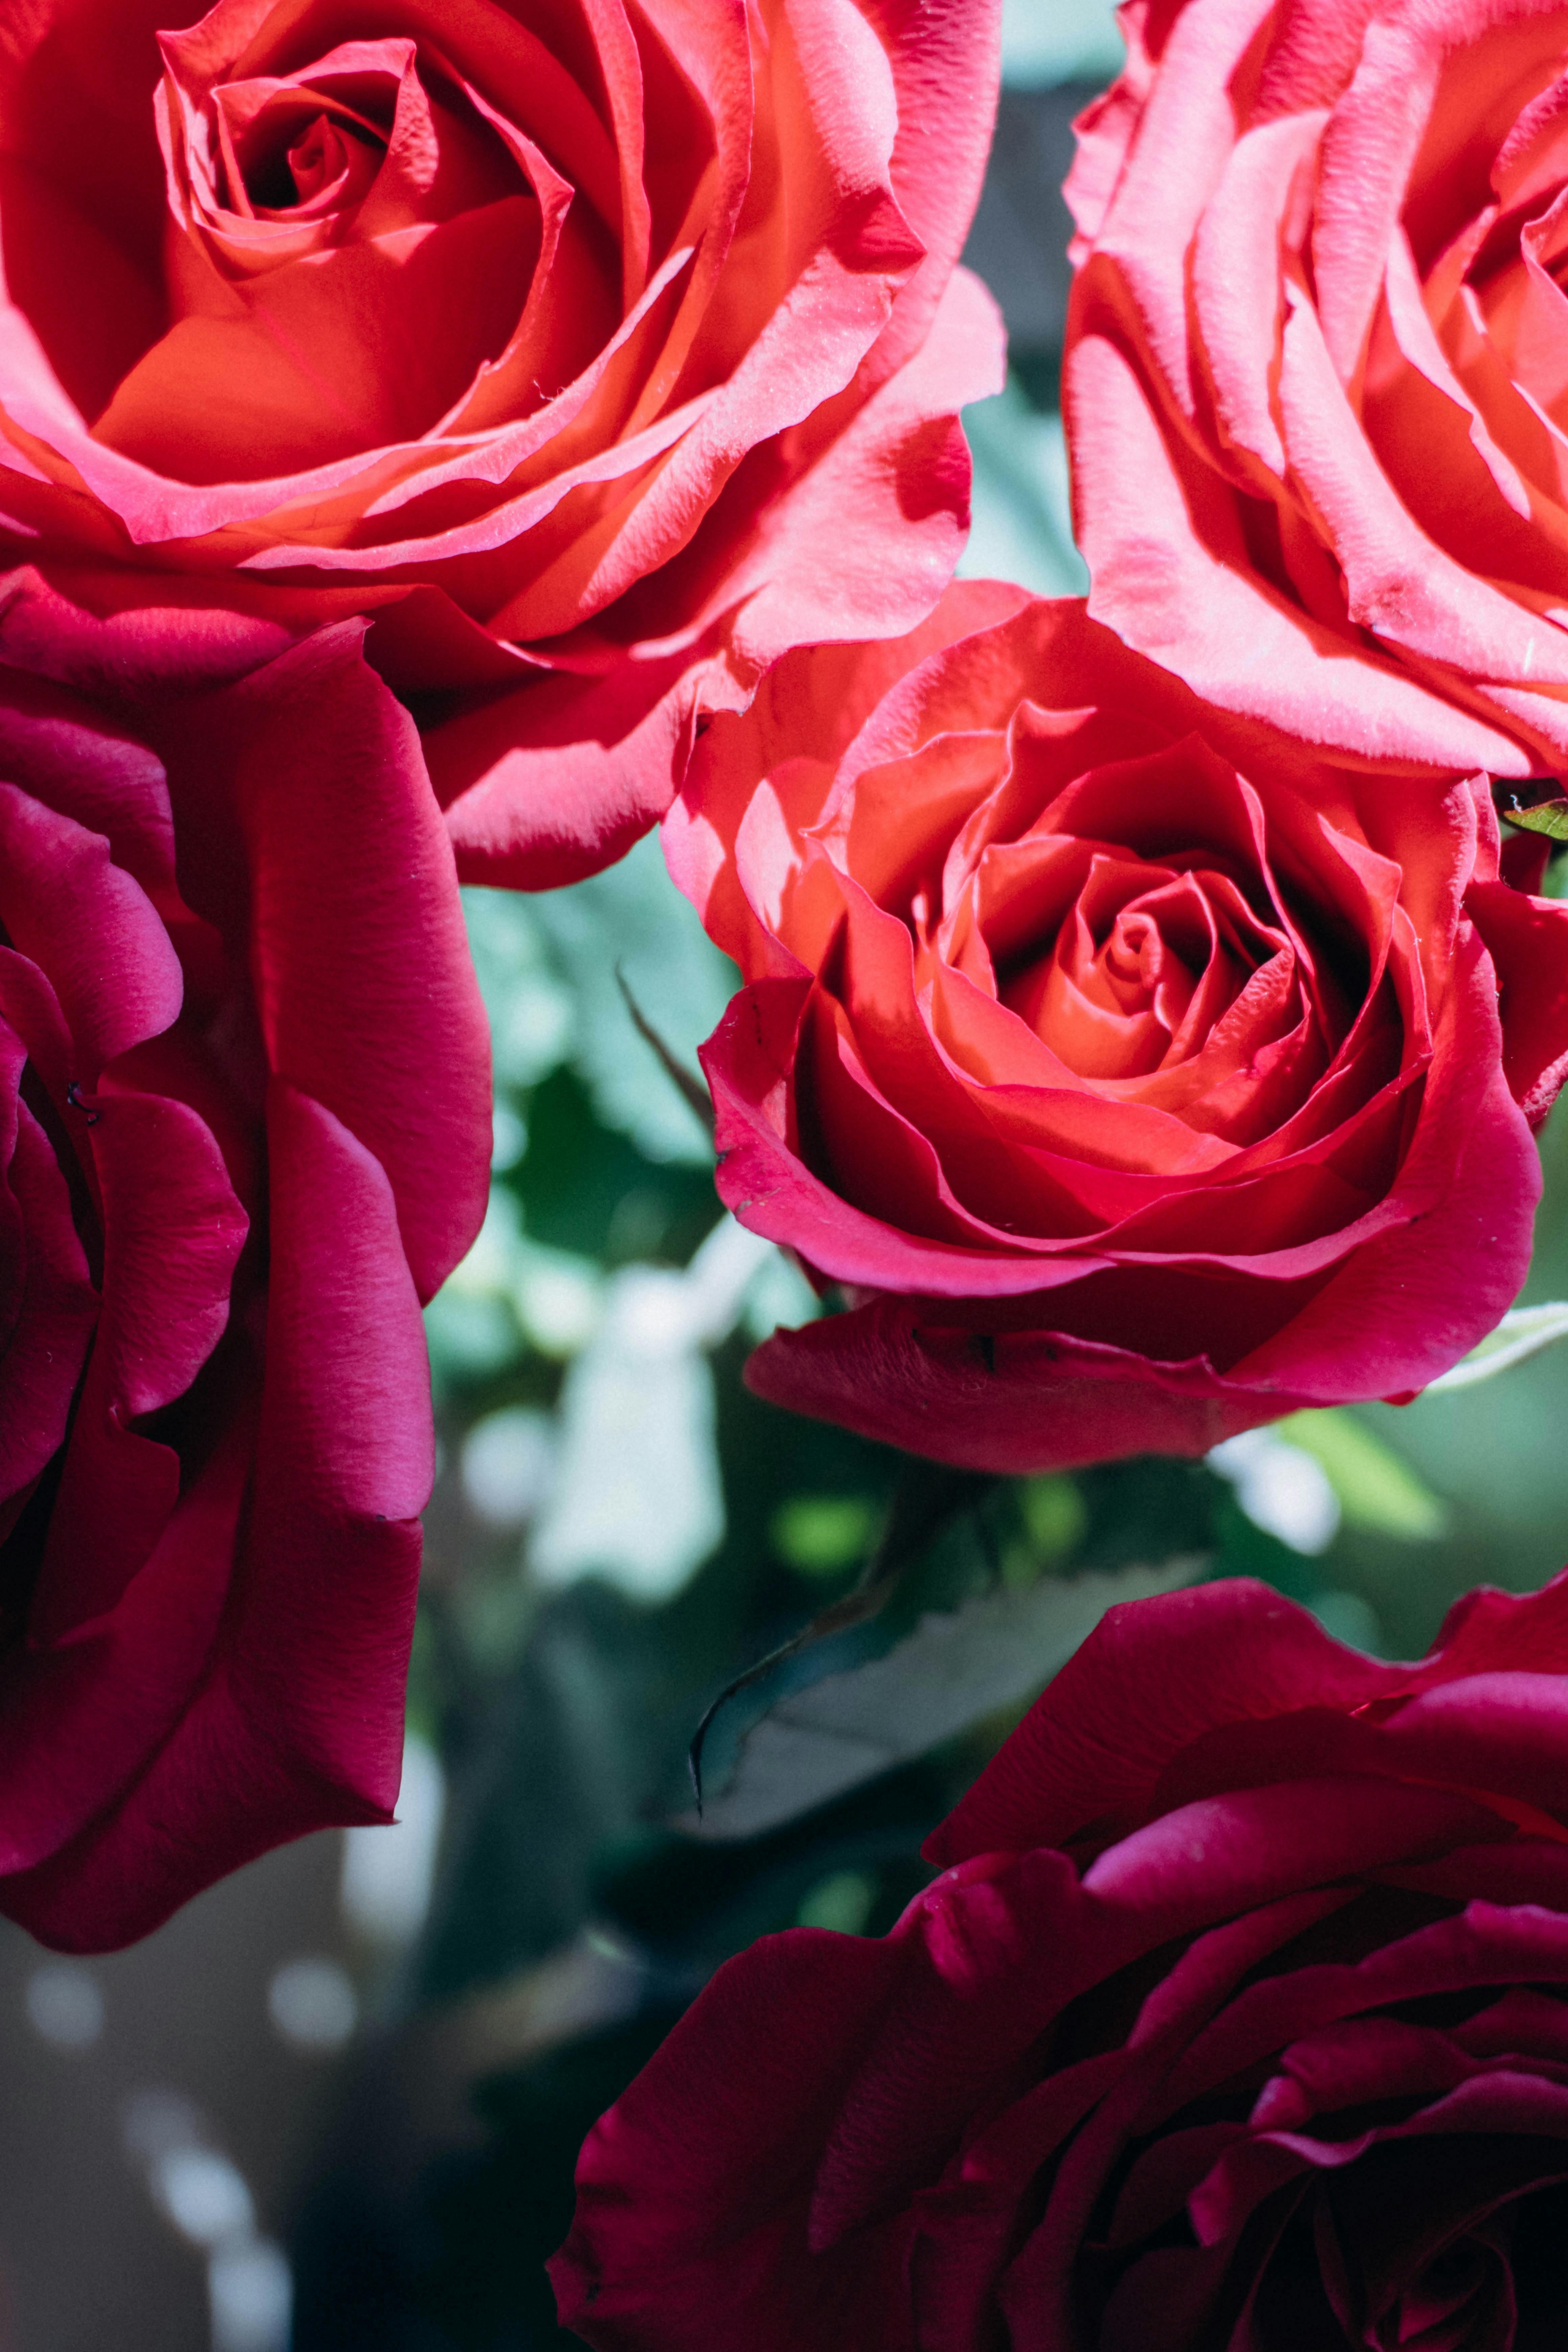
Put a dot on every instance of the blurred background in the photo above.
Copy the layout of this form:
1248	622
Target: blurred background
336	2103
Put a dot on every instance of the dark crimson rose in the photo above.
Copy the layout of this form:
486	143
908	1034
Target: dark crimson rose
1139	1077
1238	2021
599	349
1316	377
245	1130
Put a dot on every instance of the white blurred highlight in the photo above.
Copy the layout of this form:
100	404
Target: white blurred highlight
636	1496
388	1869
1283	1489
203	2194
313	2005
64	2006
507	1461
250	2295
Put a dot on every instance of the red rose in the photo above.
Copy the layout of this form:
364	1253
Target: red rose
1318	357
244	1130
600	354
1238	2017
1139	1077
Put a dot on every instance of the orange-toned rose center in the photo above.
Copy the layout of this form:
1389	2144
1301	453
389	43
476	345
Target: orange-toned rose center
1141	971
350	245
1169	977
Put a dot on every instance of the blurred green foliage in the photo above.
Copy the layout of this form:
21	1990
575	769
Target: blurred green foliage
1055	1518
1067	40
1021	526
822	1534
1378	1492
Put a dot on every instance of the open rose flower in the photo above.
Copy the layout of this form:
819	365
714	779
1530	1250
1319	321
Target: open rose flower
244	1130
1238	2018
1317	383
1139	1078
598	353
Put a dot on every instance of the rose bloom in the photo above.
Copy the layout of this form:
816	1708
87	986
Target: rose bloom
1138	1076
1238	2017
245	1128
598	353
1317	384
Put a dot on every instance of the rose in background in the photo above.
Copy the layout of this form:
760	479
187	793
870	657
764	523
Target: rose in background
1238	2016
1139	1079
247	1130
1317	364
600	354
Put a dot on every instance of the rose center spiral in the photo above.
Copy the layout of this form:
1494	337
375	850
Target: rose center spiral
1144	965
302	155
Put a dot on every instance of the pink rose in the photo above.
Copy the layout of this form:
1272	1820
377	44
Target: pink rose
597	354
1238	2017
244	1131
1317	355
1138	1076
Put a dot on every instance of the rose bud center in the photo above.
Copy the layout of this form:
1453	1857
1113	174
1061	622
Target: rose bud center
1142	968
281	151
350	245
328	165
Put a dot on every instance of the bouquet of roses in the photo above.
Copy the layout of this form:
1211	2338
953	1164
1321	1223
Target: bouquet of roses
441	445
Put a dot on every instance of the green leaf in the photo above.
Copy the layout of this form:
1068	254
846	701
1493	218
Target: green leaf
1537	805
996	1651
1378	1492
1523	1331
